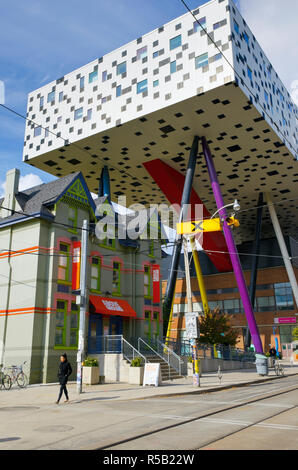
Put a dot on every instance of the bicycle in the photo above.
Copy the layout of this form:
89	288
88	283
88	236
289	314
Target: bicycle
5	380
17	375
278	368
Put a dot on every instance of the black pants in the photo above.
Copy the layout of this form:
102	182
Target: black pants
63	389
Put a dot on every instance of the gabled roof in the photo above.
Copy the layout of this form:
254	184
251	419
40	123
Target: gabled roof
36	200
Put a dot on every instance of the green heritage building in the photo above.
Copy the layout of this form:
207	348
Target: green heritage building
39	316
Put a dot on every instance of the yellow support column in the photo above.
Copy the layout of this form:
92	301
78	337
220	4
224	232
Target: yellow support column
199	276
169	323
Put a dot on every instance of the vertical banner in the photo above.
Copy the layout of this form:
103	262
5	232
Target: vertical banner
156	283
76	265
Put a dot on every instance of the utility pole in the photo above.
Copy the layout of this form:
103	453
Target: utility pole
83	303
193	339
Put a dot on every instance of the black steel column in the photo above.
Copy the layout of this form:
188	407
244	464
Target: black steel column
255	263
170	290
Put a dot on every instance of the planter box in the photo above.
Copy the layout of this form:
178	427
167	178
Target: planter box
136	375
90	375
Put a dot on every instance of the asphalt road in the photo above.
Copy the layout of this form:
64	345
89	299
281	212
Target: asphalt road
257	416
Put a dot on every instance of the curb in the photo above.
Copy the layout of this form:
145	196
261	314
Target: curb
215	389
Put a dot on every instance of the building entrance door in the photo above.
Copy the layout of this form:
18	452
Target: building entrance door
116	329
95	334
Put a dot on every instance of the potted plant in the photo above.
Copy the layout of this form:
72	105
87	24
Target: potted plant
136	371
90	371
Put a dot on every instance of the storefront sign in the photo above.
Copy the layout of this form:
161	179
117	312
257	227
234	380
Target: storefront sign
152	374
156	283
76	265
285	320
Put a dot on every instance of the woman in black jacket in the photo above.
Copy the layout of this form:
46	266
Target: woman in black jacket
64	372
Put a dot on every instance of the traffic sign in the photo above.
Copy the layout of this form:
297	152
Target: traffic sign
207	225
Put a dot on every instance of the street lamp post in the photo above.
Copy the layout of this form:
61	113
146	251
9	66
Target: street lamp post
83	303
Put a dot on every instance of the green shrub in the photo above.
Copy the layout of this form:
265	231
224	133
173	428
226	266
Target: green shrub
90	362
189	359
136	362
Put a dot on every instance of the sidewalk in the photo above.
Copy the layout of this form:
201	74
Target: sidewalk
47	393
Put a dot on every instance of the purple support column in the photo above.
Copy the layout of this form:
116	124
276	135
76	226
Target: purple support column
232	251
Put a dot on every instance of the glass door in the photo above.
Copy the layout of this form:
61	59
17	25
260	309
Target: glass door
95	344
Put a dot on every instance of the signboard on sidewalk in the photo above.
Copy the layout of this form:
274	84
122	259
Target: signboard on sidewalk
191	325
152	374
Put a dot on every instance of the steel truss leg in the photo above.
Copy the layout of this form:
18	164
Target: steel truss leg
283	247
170	290
199	274
255	263
248	309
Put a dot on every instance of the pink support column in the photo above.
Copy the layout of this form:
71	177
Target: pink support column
232	251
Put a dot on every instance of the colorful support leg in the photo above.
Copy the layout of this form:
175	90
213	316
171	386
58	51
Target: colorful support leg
232	251
255	263
199	276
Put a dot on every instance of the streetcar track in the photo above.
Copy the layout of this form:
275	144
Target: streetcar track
211	413
260	423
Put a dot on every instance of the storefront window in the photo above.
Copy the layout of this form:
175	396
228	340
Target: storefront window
63	263
116	278
72	218
147	283
95	274
74	325
60	331
265	304
283	296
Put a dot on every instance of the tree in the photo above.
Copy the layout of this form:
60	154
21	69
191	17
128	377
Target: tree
295	334
215	328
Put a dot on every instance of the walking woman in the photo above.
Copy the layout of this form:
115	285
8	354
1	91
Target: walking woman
64	372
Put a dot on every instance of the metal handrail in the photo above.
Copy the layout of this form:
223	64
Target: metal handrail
133	351
173	354
148	345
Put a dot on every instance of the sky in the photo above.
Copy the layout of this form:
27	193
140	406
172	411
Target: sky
41	41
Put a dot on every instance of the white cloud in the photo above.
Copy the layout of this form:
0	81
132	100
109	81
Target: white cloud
26	182
275	28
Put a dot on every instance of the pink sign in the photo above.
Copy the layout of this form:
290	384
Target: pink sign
287	320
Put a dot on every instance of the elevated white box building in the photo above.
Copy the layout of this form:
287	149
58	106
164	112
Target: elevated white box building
145	101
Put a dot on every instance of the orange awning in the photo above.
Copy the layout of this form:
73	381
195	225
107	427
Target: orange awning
108	306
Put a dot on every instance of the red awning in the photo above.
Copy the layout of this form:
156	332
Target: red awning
108	306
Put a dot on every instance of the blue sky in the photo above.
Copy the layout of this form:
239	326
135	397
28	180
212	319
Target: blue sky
41	41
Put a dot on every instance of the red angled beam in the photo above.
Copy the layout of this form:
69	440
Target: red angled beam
171	183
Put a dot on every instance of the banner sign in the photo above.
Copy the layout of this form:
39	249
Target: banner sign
191	325
285	320
76	265
156	283
152	374
207	225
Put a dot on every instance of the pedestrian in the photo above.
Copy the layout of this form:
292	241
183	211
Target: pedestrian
64	372
272	354
272	351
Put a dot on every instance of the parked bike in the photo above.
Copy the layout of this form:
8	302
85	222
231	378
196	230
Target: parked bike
17	375
278	368
5	380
